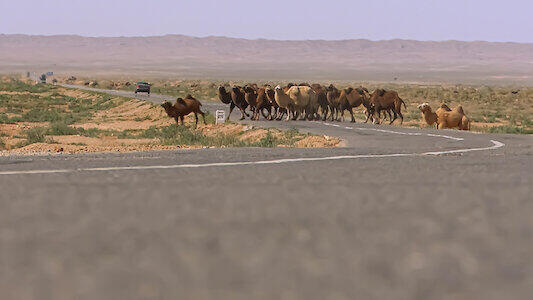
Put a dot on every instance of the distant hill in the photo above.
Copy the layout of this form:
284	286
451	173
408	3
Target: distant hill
184	56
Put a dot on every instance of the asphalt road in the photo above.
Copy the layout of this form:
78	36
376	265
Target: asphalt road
395	214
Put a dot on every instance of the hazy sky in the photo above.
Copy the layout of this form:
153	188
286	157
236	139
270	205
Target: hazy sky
490	20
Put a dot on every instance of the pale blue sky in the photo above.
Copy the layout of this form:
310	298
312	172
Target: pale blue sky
490	20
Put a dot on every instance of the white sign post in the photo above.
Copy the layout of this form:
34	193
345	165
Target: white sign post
220	116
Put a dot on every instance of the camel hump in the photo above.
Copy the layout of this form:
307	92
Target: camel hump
295	90
444	106
181	101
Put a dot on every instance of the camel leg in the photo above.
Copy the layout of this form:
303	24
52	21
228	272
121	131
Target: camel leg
182	118
231	107
377	112
367	113
351	113
325	112
281	112
304	115
401	117
243	113
196	120
243	110
395	117
177	121
267	116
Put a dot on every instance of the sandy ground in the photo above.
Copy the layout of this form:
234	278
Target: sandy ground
130	115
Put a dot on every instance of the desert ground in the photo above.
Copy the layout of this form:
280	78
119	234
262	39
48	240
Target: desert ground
37	119
493	109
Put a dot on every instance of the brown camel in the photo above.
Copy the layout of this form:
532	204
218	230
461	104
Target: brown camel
183	107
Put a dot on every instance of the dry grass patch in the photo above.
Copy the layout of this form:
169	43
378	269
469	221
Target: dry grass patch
46	118
506	109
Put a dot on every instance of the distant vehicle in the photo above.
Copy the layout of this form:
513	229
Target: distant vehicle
42	78
142	87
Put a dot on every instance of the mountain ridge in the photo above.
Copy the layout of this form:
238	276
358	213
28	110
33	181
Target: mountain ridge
219	56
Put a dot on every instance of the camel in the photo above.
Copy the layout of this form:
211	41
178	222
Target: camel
183	107
444	117
384	100
235	98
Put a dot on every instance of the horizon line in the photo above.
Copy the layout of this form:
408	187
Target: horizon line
260	39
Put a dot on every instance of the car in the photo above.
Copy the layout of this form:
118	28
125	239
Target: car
142	87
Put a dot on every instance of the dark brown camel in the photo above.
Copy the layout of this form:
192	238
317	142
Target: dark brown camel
183	107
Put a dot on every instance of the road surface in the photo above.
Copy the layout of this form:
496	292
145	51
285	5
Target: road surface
395	214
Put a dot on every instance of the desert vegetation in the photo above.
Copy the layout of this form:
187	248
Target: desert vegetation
493	109
37	118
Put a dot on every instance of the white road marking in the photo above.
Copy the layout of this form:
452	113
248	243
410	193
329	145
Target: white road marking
35	172
495	145
399	132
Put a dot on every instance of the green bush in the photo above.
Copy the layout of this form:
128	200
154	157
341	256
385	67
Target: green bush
268	141
4	119
40	115
35	135
59	128
510	129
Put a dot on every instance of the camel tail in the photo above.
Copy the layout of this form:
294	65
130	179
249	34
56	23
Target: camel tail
405	106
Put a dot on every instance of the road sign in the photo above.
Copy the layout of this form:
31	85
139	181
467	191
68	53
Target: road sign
220	116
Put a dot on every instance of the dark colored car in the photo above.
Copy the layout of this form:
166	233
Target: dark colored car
143	87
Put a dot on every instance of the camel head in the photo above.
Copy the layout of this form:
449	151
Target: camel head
429	115
167	106
424	107
249	90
